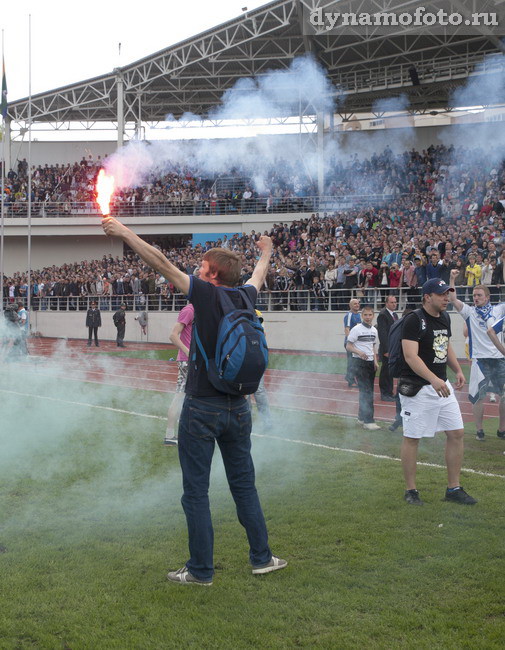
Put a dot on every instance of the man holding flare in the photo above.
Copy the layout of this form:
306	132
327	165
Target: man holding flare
209	416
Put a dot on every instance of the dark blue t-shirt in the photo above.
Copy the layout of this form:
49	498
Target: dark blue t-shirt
208	313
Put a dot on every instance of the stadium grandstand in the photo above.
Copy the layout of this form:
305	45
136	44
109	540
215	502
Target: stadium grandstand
378	169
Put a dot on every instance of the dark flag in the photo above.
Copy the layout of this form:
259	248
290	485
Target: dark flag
4	91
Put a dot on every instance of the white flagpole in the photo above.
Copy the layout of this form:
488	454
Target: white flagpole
2	232
29	283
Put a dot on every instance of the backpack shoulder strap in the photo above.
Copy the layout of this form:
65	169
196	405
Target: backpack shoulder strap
200	345
247	299
227	304
224	300
419	314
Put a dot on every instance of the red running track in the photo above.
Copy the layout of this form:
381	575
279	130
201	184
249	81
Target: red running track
308	391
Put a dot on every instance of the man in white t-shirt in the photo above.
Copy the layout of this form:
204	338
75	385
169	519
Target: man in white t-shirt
361	343
487	374
23	326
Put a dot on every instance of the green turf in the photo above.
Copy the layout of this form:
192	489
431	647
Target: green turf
325	363
91	521
306	362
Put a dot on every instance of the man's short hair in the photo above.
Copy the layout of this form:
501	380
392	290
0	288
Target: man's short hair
484	288
226	264
367	308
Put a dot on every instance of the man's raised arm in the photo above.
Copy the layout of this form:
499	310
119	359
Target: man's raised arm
151	255
452	294
259	275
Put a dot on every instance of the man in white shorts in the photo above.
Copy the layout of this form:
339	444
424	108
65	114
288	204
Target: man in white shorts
488	364
427	398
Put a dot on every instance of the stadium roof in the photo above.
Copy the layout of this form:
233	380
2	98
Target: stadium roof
191	76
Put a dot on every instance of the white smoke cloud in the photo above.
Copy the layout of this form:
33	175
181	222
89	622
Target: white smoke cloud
486	88
275	94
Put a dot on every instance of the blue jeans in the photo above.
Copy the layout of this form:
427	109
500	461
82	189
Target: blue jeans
227	421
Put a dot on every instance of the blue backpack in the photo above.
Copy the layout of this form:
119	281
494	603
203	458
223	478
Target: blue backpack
241	348
396	360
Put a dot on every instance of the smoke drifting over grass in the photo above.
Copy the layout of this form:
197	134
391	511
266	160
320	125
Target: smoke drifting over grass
79	458
66	462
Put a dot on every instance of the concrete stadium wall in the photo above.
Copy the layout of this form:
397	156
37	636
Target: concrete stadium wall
63	240
317	332
60	153
50	250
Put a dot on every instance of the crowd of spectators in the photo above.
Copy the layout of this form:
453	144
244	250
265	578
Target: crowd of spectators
59	190
453	180
442	214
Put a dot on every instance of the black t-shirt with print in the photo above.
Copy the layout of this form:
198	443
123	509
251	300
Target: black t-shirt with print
433	334
208	314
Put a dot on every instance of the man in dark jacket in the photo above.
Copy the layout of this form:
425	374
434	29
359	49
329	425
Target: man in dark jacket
119	319
93	322
385	319
210	417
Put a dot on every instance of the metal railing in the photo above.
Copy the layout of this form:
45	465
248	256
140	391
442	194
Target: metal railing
294	300
190	207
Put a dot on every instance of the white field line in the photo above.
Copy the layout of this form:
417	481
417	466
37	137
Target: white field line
257	435
96	406
107	377
367	453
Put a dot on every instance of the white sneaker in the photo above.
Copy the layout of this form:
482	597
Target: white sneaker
360	421
371	426
184	577
492	397
274	565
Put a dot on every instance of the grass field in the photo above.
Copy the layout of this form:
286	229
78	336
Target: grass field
91	521
330	363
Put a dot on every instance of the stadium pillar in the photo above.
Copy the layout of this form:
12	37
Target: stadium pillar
320	153
120	107
138	128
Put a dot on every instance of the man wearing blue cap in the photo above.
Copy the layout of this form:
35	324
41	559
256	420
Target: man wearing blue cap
427	398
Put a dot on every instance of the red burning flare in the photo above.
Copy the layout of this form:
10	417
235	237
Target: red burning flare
104	191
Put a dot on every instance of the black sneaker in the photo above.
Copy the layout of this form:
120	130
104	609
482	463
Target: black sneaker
479	435
459	496
501	434
412	497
